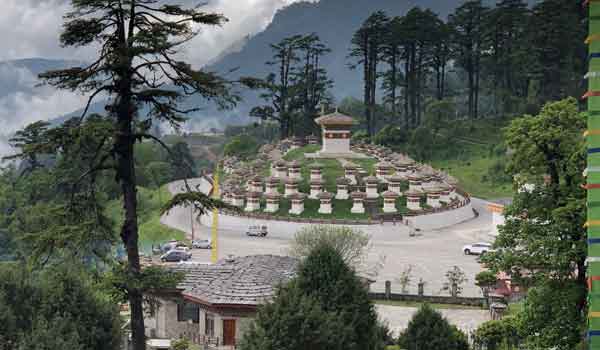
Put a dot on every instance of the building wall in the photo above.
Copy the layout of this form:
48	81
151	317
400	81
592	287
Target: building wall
497	220
335	145
166	326
165	322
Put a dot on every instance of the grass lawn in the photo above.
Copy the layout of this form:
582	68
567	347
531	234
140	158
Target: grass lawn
418	304
332	170
470	173
151	230
473	157
366	164
298	154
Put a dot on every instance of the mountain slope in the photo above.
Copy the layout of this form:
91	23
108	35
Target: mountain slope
334	21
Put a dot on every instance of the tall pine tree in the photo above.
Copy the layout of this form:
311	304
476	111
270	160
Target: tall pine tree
136	66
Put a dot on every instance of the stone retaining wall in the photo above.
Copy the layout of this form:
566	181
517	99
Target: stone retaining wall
431	299
426	220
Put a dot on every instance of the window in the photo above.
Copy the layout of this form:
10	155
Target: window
209	322
188	311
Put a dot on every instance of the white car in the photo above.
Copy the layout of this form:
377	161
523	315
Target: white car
477	248
259	231
202	244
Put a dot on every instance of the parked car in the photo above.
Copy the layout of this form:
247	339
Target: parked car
173	244
202	244
176	255
259	231
477	248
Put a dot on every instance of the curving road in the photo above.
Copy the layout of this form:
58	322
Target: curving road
431	254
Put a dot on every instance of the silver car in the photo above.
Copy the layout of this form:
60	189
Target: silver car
202	244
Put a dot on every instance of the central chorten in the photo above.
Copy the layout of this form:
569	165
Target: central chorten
335	129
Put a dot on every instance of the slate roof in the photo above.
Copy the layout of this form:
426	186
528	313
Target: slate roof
336	118
243	281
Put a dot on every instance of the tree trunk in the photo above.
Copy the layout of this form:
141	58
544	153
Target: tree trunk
443	87
406	96
471	88
419	86
393	83
367	82
476	98
124	145
373	92
412	87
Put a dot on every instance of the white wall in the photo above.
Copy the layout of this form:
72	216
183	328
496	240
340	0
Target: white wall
443	219
425	222
498	219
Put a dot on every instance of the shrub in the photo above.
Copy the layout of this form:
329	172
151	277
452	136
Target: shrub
242	146
429	330
351	244
391	136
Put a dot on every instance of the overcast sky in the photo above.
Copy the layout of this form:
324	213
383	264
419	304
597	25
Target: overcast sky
31	29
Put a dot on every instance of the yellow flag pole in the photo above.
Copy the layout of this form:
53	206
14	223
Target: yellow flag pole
214	256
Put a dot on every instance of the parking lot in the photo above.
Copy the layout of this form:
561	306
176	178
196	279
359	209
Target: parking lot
431	254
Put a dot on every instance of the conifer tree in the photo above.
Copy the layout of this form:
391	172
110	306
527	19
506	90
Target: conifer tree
137	66
429	330
325	276
467	22
368	44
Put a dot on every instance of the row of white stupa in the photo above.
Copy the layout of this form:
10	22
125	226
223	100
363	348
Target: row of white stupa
436	190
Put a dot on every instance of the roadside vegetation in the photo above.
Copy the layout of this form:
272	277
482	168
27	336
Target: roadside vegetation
152	231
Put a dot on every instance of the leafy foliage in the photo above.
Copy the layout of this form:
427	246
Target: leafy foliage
429	330
485	280
242	146
456	278
550	317
324	276
542	243
367	51
497	335
295	321
55	308
297	87
136	66
352	245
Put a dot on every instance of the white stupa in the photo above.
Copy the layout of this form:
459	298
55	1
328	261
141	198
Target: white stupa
335	129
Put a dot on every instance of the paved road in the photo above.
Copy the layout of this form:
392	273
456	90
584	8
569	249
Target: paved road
431	255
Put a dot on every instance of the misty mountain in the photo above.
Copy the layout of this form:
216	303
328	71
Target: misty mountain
333	20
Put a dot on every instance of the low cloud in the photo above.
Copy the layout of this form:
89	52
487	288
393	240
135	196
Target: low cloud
34	26
27	103
246	17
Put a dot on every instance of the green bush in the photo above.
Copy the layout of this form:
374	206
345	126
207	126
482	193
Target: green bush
429	330
295	321
325	276
360	136
58	307
242	146
391	136
497	335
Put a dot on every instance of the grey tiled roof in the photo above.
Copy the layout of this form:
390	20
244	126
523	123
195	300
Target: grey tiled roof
249	280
